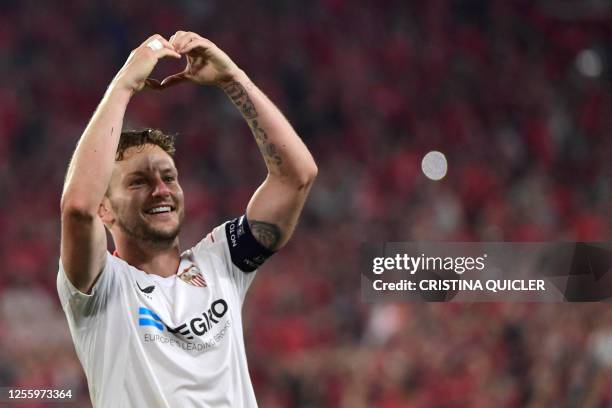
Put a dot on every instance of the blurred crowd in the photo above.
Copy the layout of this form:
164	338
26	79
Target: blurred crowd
515	93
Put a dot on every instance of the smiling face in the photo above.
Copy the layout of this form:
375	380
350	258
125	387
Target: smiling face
145	201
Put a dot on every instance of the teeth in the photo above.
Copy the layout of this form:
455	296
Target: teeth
158	210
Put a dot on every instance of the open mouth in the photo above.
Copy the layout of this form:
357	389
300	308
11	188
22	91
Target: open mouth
160	210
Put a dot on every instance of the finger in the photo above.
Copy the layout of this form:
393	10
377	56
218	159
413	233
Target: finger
156	44
179	39
201	42
173	80
165	52
151	38
185	39
165	43
151	83
175	36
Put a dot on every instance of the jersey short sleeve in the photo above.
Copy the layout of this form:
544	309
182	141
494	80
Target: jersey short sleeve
241	252
80	307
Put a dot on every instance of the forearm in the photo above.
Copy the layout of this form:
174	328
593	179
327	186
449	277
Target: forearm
90	169
285	154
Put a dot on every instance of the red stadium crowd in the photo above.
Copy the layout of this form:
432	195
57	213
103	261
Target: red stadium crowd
497	86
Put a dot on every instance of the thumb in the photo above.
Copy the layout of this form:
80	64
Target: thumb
174	80
151	83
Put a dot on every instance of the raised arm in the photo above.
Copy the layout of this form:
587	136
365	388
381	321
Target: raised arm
275	207
83	243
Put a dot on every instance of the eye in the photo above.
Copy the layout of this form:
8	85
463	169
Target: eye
137	182
168	179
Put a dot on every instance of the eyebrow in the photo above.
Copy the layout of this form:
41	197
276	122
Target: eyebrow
136	173
143	173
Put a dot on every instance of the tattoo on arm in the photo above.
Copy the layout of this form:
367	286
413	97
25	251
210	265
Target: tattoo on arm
240	98
267	234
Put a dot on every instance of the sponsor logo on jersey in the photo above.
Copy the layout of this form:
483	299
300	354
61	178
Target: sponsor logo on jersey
147	317
147	289
197	326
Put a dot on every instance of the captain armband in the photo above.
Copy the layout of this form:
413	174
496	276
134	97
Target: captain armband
246	252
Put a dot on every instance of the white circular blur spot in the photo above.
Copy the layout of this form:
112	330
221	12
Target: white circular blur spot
434	165
588	62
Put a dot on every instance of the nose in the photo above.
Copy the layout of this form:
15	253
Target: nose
160	188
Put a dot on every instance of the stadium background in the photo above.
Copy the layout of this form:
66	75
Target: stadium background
515	93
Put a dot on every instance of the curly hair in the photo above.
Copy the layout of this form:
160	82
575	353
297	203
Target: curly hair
132	138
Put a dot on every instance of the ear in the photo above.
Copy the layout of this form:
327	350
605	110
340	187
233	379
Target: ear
105	213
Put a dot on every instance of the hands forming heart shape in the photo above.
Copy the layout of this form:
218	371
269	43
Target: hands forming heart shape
206	63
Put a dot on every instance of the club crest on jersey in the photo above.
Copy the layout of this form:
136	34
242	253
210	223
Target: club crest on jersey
193	276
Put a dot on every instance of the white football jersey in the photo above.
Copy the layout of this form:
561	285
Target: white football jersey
149	341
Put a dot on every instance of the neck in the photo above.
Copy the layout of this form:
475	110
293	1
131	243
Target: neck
154	258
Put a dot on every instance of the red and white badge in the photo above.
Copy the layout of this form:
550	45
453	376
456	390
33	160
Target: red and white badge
192	275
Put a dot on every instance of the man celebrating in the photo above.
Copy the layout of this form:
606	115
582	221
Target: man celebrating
154	327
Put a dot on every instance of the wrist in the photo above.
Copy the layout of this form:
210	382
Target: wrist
121	84
118	89
119	93
236	75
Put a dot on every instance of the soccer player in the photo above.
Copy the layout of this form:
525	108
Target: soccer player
154	326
